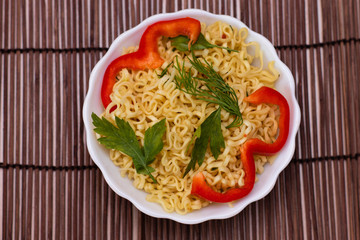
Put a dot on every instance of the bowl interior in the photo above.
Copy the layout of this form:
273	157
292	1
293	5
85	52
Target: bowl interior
111	173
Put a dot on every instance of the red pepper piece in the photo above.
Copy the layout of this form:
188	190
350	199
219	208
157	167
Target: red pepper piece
147	56
250	147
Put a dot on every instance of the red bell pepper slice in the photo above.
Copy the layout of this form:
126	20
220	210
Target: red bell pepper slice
250	147
147	56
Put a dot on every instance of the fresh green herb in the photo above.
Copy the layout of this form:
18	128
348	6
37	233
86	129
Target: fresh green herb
122	137
197	134
231	28
163	72
210	130
181	44
216	89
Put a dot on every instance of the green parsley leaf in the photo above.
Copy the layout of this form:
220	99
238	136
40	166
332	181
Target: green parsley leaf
153	141
122	138
181	44
201	43
210	130
197	134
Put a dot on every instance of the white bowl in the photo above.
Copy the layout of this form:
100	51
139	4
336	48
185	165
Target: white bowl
124	187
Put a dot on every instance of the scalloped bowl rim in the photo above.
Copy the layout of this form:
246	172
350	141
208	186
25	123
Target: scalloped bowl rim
111	173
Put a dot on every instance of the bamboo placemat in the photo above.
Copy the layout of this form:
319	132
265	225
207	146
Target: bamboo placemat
50	188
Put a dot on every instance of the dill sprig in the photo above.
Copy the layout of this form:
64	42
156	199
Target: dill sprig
211	87
163	72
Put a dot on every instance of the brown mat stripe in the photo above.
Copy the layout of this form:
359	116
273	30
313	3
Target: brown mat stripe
328	95
63	204
48	89
79	24
80	204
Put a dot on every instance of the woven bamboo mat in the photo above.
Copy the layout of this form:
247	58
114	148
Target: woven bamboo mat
50	188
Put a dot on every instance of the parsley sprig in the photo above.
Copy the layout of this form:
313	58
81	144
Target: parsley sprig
211	87
122	137
181	44
209	130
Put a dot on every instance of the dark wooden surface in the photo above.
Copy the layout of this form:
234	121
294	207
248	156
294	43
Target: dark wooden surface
50	188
